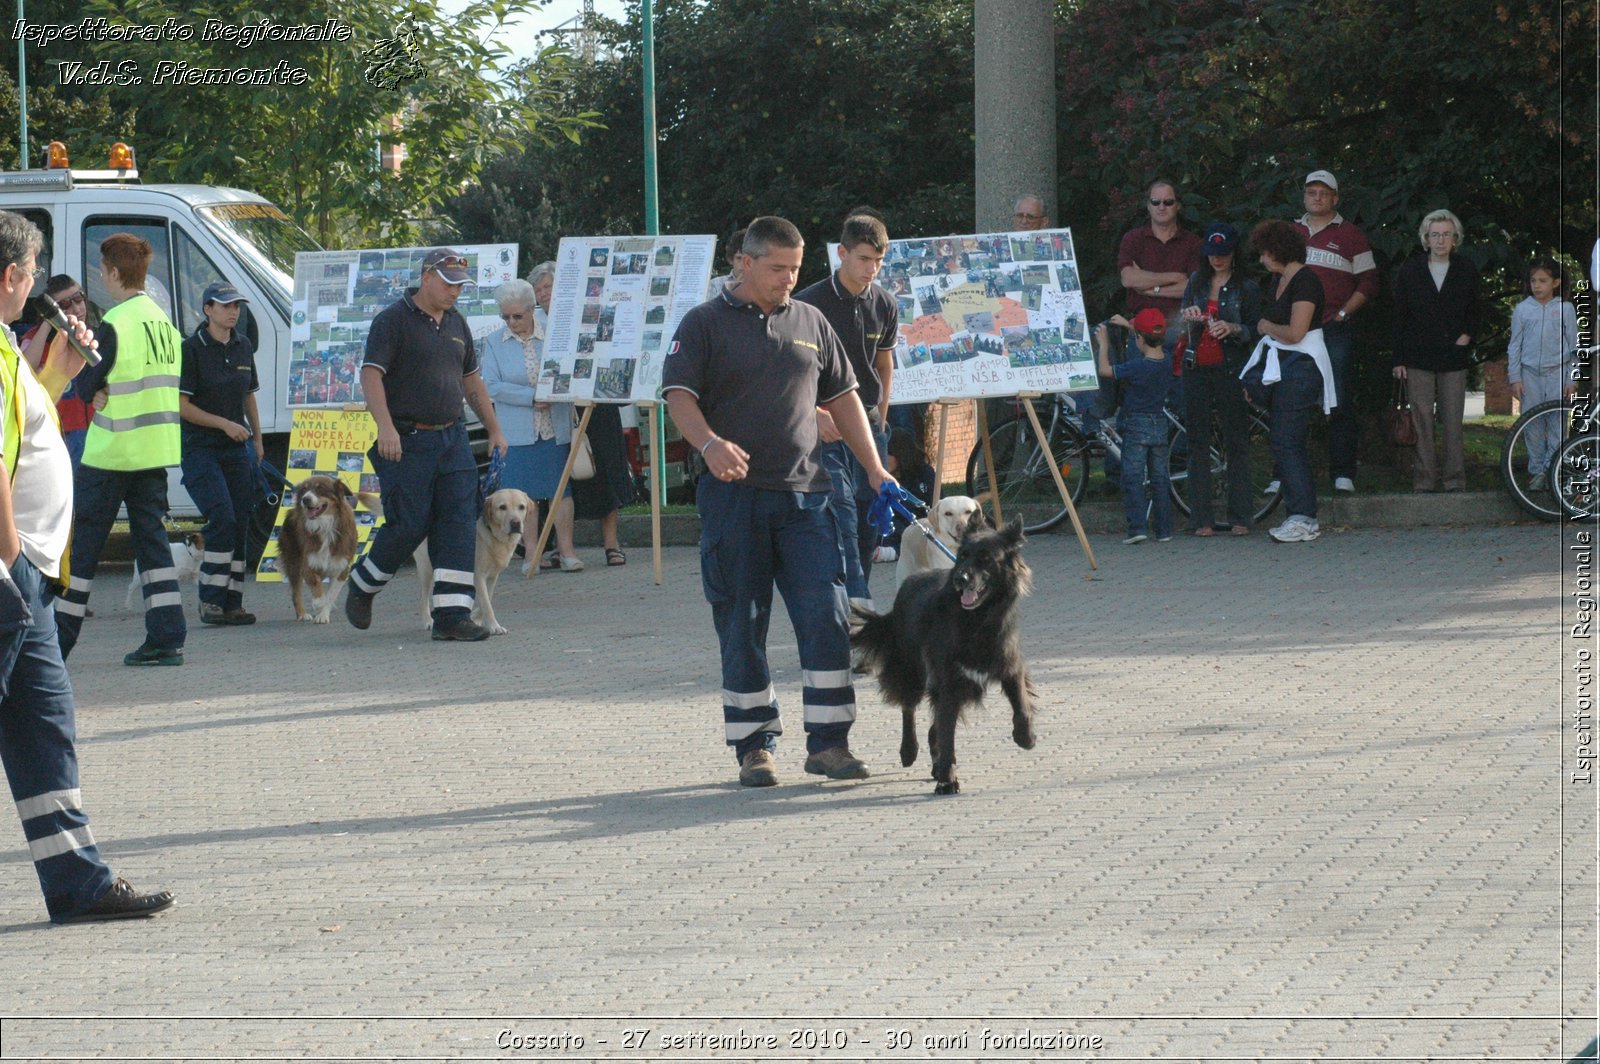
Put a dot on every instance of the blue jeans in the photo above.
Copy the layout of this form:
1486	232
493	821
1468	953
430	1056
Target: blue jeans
96	496
1292	401
752	539
1145	455
852	497
430	493
222	481
38	747
1341	341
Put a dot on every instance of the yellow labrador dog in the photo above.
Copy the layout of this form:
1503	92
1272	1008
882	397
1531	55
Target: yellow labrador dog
917	555
505	513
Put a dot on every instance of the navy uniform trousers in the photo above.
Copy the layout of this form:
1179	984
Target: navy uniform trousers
37	736
750	540
432	494
96	496
223	482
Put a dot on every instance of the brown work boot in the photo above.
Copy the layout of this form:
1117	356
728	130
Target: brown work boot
837	763
757	769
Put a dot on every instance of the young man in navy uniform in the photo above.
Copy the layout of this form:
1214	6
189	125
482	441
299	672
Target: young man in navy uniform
743	379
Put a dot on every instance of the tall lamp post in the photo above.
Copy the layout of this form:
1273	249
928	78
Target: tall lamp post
22	88
652	213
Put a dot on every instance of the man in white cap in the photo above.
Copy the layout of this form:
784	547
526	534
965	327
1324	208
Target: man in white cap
1338	253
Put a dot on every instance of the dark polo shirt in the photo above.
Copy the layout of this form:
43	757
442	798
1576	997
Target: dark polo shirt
759	379
423	361
865	324
216	377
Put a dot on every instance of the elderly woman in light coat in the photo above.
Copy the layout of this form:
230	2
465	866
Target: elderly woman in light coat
538	437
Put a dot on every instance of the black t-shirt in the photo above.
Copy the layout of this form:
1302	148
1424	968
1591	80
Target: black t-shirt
424	361
865	324
758	379
216	377
1303	287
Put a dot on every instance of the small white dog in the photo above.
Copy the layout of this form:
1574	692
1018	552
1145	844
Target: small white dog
917	555
186	555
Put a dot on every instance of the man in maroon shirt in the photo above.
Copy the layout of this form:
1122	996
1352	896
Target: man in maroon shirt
1156	259
1338	253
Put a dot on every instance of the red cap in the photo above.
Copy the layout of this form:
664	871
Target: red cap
1149	320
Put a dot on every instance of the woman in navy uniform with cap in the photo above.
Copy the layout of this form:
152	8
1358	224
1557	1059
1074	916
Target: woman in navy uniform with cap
221	448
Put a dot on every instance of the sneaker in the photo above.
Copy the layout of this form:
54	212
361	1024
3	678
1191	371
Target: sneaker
572	565
1297	529
1344	484
1272	488
837	763
237	616
1137	537
210	613
757	769
462	630
1539	482
1163	539
358	609
154	655
885	553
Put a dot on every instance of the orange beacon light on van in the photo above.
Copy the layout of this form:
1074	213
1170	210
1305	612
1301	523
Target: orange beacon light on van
56	156
121	157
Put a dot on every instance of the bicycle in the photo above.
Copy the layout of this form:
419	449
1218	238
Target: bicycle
1532	489
1022	471
1575	476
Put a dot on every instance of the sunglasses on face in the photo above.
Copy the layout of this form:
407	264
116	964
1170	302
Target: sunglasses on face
1163	203
513	317
73	300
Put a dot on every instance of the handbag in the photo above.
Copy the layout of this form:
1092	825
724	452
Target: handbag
1397	423
583	459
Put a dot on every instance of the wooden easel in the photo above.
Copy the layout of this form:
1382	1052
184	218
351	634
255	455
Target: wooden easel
652	411
988	461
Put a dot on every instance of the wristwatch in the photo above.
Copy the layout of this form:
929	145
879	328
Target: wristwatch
1341	315
1157	290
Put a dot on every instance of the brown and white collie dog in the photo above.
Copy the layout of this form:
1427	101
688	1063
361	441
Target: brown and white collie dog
317	544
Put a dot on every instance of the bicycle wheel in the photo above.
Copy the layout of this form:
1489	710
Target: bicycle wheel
1260	469
1022	471
1575	476
1538	424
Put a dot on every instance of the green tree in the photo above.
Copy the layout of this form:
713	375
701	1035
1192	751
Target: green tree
310	138
804	109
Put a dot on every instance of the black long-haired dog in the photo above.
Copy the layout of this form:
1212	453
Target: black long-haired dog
949	636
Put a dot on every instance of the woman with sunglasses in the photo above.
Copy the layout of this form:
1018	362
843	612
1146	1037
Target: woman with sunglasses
71	408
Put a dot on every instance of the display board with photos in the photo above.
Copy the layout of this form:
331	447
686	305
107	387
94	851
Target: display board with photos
338	293
616	303
986	314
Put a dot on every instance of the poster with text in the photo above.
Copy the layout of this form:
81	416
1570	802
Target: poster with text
616	304
987	314
338	293
334	444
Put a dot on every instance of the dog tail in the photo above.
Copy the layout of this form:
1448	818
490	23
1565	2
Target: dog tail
371	501
872	635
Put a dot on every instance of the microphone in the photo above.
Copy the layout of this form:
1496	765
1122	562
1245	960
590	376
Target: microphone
50	311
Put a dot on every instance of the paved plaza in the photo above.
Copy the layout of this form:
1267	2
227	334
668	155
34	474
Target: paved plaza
1288	802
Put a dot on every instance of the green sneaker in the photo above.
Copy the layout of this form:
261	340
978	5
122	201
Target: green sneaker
153	655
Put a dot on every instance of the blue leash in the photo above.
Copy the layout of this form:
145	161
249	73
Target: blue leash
490	481
891	502
272	482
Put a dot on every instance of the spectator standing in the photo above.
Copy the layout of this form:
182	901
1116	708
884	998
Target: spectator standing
72	410
1294	370
222	448
1156	259
510	362
1220	309
1338	252
1541	358
420	366
132	440
1143	425
730	255
37	711
866	319
1437	314
742	380
1029	214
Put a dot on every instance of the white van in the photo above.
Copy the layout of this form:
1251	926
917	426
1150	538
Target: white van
201	234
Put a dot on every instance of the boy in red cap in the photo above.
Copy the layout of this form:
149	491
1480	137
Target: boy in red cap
1143	426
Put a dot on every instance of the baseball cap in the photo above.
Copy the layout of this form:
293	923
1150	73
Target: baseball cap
1221	239
1149	321
1323	176
221	292
449	264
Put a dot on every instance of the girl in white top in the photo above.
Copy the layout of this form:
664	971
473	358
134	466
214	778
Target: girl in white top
1541	359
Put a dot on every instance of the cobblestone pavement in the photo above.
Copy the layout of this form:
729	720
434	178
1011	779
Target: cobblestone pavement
1288	802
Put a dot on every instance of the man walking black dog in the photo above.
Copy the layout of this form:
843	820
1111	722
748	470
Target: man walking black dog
743	379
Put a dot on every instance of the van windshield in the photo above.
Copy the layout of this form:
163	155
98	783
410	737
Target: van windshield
266	239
